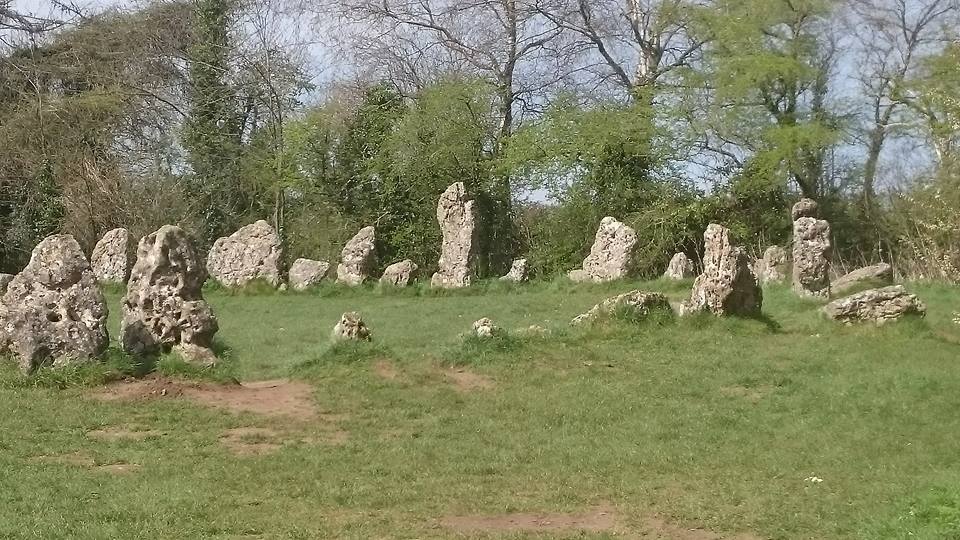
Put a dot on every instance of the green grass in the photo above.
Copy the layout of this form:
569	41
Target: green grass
706	422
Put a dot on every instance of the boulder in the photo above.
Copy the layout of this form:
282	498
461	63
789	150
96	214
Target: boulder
358	258
727	285
113	256
639	303
164	308
399	274
518	272
5	280
881	274
875	305
811	251
772	268
253	252
351	328
680	267
611	254
485	328
458	227
53	312
306	273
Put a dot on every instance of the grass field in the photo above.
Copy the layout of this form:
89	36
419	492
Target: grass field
692	429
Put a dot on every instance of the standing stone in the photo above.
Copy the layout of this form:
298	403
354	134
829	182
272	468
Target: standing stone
351	328
881	274
680	267
727	285
358	258
5	280
611	255
399	274
53	312
811	251
253	252
113	257
306	273
875	305
457	224
518	272
164	308
772	268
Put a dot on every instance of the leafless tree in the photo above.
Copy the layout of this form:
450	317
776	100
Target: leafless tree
893	37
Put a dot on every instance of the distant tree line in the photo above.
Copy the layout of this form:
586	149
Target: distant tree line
667	114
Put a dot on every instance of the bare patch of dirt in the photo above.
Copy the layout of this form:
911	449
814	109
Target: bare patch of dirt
258	441
270	398
386	370
114	433
657	528
467	381
754	394
600	519
119	468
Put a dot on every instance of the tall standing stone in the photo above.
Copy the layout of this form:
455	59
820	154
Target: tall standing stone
680	267
727	285
457	224
113	256
253	252
772	268
164	308
611	254
358	258
811	251
53	312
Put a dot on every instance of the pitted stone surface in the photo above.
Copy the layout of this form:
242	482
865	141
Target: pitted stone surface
875	305
400	274
611	254
727	285
253	252
113	257
358	258
458	226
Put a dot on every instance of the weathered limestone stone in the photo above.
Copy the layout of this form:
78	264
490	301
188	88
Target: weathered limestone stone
358	258
113	256
53	311
772	268
680	267
518	272
881	273
253	252
875	305
485	328
164	308
611	254
811	251
351	328
805	208
639	302
306	273
400	274
458	226
727	285
5	280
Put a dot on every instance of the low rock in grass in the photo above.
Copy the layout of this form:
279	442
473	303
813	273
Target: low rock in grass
358	258
680	267
351	328
485	328
639	303
611	254
253	252
774	265
306	273
54	312
875	305
400	274
881	274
